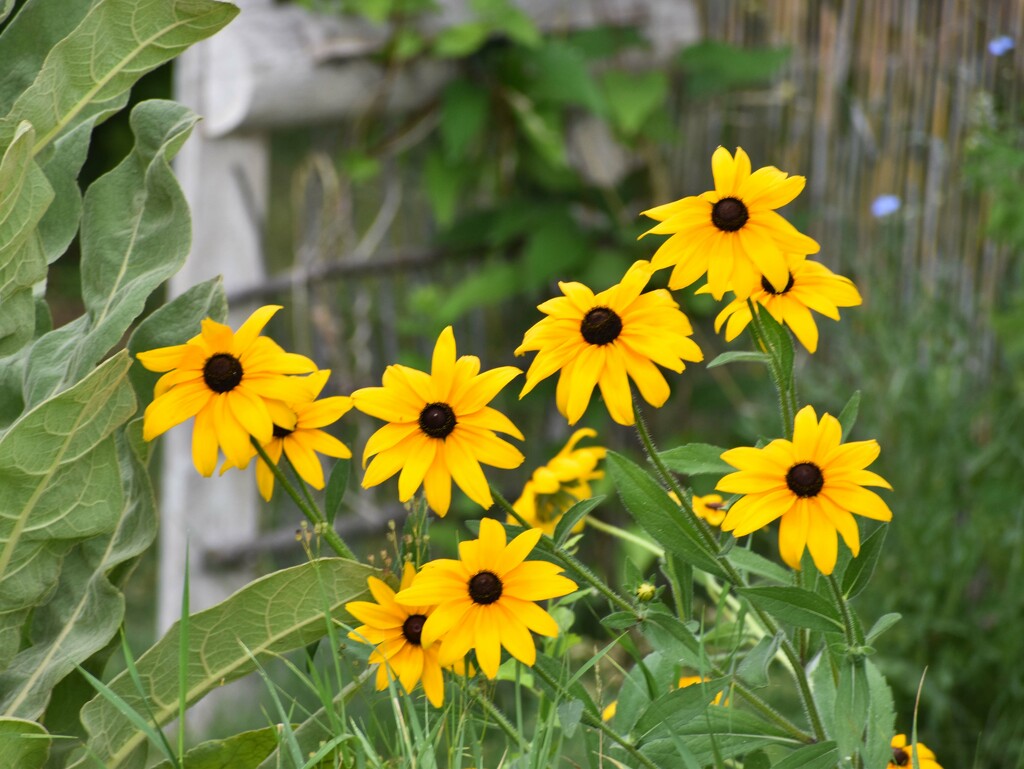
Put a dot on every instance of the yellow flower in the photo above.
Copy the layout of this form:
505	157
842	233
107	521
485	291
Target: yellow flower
396	630
685	681
902	755
561	483
485	598
224	379
812	483
606	339
302	442
732	232
709	507
439	427
610	710
811	286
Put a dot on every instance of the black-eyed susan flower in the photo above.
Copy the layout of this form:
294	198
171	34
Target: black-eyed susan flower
439	427
732	233
901	755
605	340
811	286
304	440
224	379
561	483
396	631
709	507
485	598
811	484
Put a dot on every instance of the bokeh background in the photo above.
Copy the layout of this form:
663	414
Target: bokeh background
531	163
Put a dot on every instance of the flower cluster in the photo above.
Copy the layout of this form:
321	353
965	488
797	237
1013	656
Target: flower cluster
242	387
482	601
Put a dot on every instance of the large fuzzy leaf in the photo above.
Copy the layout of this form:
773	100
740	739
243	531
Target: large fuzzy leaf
135	235
87	607
25	195
23	744
115	44
59	484
280	612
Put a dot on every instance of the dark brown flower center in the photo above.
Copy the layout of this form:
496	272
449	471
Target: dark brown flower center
769	288
412	628
485	587
729	214
282	432
222	372
437	420
601	326
805	479
900	757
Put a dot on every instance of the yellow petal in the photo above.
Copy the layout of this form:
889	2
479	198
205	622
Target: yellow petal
466	471
252	327
442	367
204	441
487	640
304	459
420	451
437	485
515	637
174	407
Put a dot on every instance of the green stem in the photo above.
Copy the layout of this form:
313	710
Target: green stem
595	722
569	561
772	715
772	628
499	717
787	395
852	636
311	512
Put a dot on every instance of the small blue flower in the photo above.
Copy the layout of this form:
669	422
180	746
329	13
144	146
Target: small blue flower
998	46
884	205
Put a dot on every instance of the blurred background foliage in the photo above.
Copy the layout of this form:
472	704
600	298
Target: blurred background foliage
532	166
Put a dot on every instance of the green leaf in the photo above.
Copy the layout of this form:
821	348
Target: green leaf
632	97
542	129
753	668
823	755
858	574
274	614
670	636
719	734
848	416
6	6
245	750
25	195
654	510
740	356
780	345
713	67
553	249
175	323
136	233
796	606
573	690
572	516
461	40
696	459
115	44
851	705
569	714
559	75
87	608
678	707
23	744
337	484
60	483
751	562
29	37
881	721
882	624
463	117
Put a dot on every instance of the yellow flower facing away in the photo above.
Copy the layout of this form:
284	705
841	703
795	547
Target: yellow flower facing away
485	599
811	286
710	508
396	632
561	483
439	427
225	379
731	233
812	484
604	340
304	440
901	755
